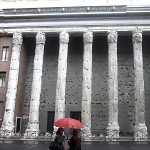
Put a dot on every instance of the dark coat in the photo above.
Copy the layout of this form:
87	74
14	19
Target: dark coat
75	143
57	144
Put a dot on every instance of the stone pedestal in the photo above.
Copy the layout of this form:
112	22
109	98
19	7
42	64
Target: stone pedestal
8	119
86	85
140	129
33	124
112	127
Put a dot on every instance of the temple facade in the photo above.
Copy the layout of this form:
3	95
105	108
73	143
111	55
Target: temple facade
87	61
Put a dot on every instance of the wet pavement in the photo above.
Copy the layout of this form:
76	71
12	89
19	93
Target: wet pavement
85	146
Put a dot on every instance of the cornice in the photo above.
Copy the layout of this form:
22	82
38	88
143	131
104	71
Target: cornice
63	10
84	16
51	12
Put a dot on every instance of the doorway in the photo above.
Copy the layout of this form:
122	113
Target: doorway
18	124
50	120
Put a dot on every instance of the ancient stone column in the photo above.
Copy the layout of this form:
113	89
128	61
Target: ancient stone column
140	129
33	124
87	84
8	119
61	76
112	127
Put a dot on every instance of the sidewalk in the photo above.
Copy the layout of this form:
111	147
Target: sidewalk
85	146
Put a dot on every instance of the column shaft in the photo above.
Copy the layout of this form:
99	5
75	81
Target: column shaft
8	119
33	124
86	85
140	130
112	127
61	76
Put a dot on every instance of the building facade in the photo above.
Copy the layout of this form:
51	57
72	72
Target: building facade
80	60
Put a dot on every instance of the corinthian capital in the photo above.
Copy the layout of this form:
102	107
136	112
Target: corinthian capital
137	36
88	37
64	37
40	38
112	36
17	38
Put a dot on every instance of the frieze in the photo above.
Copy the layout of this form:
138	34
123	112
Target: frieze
65	10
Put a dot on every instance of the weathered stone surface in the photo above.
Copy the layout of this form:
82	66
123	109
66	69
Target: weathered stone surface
61	76
33	124
87	83
112	127
140	130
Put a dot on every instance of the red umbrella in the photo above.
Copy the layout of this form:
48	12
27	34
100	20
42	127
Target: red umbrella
68	123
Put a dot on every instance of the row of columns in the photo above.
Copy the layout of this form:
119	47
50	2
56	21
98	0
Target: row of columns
112	127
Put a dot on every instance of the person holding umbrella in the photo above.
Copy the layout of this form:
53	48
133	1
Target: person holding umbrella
57	144
73	124
75	141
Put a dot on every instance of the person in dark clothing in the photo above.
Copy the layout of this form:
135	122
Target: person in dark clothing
57	144
75	141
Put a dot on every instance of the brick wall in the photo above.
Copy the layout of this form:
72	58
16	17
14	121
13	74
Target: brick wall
4	67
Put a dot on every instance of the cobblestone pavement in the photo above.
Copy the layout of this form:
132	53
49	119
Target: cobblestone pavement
85	146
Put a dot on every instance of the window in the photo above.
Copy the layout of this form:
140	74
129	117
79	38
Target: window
2	79
5	52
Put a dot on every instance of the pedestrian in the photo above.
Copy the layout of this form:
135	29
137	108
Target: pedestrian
75	141
58	142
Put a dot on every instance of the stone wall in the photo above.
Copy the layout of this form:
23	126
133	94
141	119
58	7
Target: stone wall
126	83
49	77
146	58
100	84
99	81
30	48
21	82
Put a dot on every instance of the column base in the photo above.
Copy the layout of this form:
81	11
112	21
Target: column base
86	133
32	131
6	133
112	131
140	132
7	129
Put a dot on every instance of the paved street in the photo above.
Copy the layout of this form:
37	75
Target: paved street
85	146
